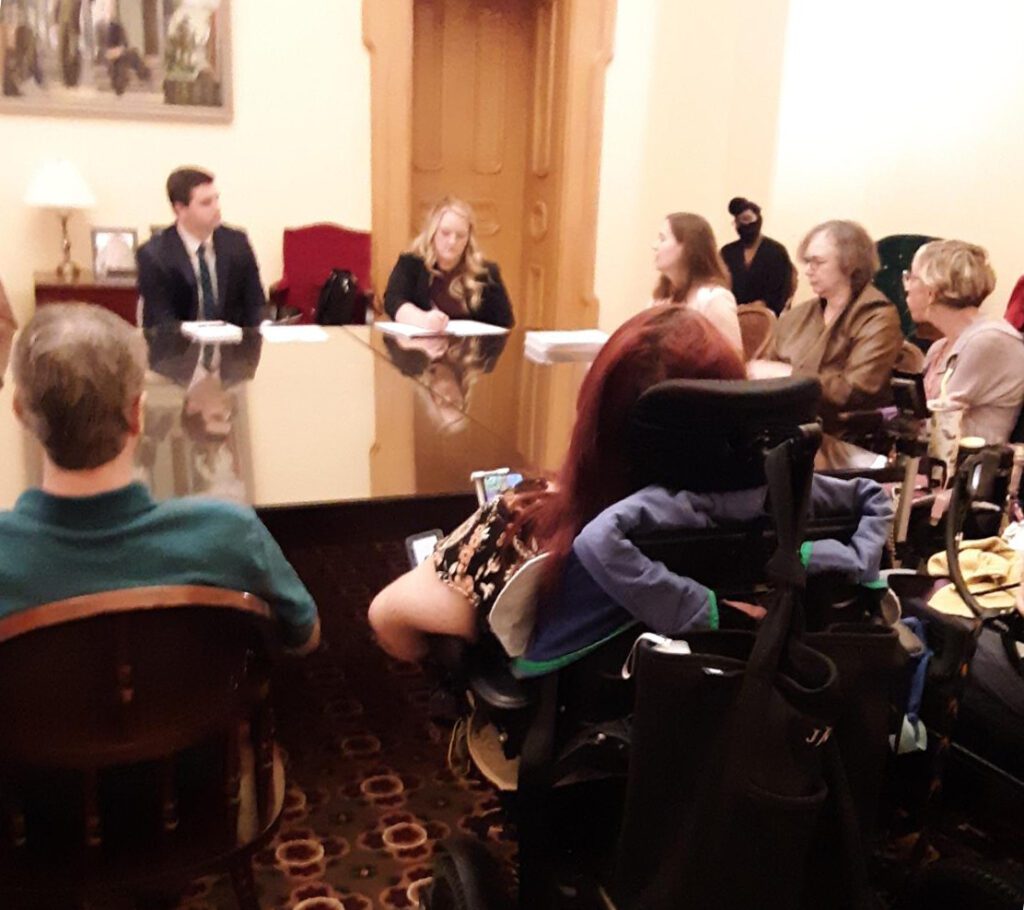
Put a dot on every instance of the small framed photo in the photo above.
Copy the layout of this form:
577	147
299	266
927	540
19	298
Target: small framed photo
113	252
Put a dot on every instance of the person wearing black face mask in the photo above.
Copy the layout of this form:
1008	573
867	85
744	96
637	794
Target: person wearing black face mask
760	267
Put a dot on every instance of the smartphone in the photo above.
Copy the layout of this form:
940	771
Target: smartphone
420	546
490	484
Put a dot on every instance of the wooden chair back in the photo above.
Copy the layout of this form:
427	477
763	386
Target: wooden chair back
94	686
757	328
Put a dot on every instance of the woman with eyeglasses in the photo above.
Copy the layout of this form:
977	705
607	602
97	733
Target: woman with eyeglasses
848	335
979	361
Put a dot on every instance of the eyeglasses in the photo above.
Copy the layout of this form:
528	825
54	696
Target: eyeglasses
907	275
815	262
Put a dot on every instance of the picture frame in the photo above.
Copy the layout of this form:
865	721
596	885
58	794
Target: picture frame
113	252
134	59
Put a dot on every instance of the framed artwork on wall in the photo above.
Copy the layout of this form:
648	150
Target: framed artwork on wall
138	59
113	252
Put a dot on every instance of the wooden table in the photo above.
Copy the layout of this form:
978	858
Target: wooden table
119	295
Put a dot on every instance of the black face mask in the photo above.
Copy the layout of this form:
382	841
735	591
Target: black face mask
749	232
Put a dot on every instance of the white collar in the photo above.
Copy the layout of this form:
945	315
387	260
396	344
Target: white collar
191	242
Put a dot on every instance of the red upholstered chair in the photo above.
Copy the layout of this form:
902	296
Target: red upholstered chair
310	253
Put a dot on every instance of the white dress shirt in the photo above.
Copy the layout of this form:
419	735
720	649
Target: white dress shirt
192	248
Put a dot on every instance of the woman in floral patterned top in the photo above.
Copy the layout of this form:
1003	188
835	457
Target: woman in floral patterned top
451	594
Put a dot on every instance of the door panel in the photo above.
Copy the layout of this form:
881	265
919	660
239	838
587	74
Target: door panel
470	98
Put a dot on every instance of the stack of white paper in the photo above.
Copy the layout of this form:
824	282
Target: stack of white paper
212	331
560	347
459	327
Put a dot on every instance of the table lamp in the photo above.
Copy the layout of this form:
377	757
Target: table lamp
58	185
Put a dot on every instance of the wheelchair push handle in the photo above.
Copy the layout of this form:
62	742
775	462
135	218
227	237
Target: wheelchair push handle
976	488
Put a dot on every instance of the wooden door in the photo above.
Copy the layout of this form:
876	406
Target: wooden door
470	95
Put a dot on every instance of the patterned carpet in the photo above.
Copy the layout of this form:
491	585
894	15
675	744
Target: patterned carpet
369	791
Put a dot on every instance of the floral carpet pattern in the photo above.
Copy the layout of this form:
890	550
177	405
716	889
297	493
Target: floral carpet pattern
369	790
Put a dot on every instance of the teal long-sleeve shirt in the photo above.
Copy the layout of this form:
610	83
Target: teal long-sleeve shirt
55	547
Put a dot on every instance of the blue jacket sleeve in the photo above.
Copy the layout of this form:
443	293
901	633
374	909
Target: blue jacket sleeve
862	557
157	306
667	603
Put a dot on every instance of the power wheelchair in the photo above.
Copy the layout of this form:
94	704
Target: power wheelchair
569	732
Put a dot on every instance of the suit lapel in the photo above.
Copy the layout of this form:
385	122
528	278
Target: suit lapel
177	255
222	272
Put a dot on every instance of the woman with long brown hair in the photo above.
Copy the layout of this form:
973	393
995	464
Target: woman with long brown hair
443	275
450	593
692	273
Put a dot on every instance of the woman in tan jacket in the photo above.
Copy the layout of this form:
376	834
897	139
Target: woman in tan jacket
848	335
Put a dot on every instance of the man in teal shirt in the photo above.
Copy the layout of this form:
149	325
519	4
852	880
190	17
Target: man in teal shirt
78	374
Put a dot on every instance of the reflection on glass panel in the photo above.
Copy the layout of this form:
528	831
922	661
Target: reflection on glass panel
195	437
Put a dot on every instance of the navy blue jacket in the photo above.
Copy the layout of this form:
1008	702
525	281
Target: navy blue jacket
168	285
609	582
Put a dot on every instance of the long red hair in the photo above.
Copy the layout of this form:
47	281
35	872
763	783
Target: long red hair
663	342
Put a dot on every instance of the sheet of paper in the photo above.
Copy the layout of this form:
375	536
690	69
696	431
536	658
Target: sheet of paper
305	333
458	327
580	345
464	327
576	338
212	332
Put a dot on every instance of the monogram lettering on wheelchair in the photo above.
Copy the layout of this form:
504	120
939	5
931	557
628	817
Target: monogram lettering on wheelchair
819	736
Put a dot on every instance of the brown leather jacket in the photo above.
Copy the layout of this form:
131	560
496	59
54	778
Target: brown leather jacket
854	357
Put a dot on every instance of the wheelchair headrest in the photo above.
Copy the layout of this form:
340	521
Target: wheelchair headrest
710	435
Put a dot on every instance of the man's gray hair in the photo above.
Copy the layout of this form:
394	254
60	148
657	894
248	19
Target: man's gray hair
77	370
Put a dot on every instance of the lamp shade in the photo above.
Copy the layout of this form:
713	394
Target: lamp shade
57	184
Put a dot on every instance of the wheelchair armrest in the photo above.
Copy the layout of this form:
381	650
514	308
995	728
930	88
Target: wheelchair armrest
869	421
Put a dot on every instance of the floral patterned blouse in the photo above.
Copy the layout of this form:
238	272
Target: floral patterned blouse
482	553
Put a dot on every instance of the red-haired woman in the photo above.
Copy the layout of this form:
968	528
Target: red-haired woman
451	592
693	274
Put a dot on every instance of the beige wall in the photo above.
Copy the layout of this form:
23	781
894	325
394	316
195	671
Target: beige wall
297	151
922	135
690	119
904	116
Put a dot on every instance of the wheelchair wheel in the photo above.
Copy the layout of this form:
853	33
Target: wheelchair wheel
956	884
466	877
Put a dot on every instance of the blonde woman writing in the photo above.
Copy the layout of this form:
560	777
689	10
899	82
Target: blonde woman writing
443	275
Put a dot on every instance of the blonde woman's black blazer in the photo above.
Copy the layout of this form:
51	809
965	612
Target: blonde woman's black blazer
410	283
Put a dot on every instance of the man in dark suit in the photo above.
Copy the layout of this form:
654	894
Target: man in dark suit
197	268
